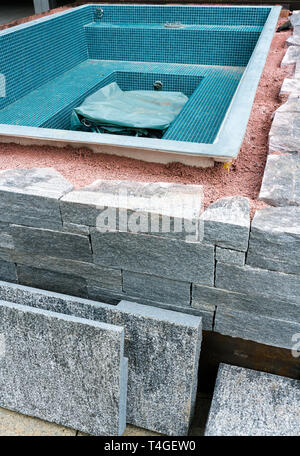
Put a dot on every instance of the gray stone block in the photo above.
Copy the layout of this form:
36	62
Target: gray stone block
284	135
251	403
230	256
109	279
275	235
8	271
258	261
291	56
157	288
290	85
227	223
281	181
76	229
58	244
63	369
292	104
163	209
6	242
173	259
251	280
52	281
257	326
204	311
162	347
295	18
32	196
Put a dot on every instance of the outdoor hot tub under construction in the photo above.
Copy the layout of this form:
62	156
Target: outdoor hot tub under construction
212	57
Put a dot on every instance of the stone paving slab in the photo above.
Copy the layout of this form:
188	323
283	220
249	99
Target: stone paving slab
63	369
163	349
281	181
33	196
252	403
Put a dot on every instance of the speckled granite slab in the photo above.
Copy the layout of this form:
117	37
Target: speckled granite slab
63	369
162	347
251	403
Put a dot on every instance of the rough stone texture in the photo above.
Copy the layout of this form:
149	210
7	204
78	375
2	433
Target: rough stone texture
252	403
8	271
157	200
6	242
275	237
256	325
52	281
107	278
13	424
157	288
230	256
76	229
173	259
63	369
51	243
295	18
281	181
227	223
32	196
290	85
162	347
284	135
206	312
246	279
293	41
291	56
292	104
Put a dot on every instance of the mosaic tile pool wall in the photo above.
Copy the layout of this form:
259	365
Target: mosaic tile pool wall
50	65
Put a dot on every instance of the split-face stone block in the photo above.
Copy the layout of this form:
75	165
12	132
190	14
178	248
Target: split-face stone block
275	240
230	256
162	347
284	135
51	243
162	209
252	403
227	223
291	56
281	181
269	283
63	369
32	196
173	259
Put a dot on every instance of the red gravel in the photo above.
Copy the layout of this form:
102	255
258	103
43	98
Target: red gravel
82	167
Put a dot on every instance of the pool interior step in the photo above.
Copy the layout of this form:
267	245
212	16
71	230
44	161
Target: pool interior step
210	90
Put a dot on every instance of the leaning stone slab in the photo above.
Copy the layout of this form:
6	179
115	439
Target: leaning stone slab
32	196
170	258
163	209
284	135
281	181
251	403
206	312
227	223
162	347
269	283
291	56
52	243
275	234
63	369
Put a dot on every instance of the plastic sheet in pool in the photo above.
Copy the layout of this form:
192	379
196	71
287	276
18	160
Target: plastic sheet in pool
133	113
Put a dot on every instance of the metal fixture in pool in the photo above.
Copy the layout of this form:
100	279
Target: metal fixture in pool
50	65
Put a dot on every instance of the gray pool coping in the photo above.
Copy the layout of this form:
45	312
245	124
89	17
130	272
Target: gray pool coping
226	146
